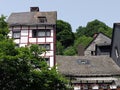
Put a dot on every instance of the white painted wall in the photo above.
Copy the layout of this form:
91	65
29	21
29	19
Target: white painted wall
17	41
24	41
51	61
49	39
32	40
41	39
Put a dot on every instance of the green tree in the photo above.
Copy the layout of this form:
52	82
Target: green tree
93	27
64	33
59	48
69	51
83	40
3	26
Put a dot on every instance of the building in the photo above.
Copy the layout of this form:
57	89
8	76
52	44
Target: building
99	71
35	27
90	72
115	53
100	45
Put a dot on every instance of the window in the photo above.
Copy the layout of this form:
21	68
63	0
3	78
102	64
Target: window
92	52
42	19
41	33
16	34
16	45
47	61
83	61
46	46
116	52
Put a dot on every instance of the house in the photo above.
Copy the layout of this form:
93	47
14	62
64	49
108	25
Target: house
115	52
35	27
90	72
100	45
99	71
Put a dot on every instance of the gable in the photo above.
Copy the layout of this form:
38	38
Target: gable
99	39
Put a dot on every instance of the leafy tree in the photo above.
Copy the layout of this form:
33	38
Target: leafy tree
3	26
59	48
64	33
83	40
80	31
93	27
69	51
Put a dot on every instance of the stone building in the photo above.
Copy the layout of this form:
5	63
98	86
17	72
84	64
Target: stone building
100	45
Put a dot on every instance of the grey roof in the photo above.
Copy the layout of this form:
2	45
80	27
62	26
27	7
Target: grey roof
30	18
96	66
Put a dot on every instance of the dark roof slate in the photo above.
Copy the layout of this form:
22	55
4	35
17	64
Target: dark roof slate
30	18
98	66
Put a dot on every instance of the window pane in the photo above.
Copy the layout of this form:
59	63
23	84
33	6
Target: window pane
46	46
47	61
41	33
34	33
48	33
42	19
16	34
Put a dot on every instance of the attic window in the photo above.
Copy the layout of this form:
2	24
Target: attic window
82	61
42	19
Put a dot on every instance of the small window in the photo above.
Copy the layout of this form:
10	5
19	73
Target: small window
16	34
83	61
93	53
16	45
46	46
116	52
42	19
48	33
47	61
41	33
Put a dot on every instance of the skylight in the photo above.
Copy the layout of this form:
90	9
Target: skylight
82	61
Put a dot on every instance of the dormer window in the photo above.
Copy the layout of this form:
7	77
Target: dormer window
42	19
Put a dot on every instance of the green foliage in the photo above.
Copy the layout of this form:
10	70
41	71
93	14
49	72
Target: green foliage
70	51
3	26
93	27
59	48
83	40
64	33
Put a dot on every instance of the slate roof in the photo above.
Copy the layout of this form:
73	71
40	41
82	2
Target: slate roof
95	66
30	18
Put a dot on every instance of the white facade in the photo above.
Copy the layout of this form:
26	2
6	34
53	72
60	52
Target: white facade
24	36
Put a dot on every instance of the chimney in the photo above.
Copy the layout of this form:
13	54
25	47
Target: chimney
95	35
34	9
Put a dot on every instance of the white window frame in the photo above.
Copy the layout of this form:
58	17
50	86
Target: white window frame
46	46
42	33
16	34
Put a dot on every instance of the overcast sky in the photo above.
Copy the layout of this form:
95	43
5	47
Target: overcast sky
75	12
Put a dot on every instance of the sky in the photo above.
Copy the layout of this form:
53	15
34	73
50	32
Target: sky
75	12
